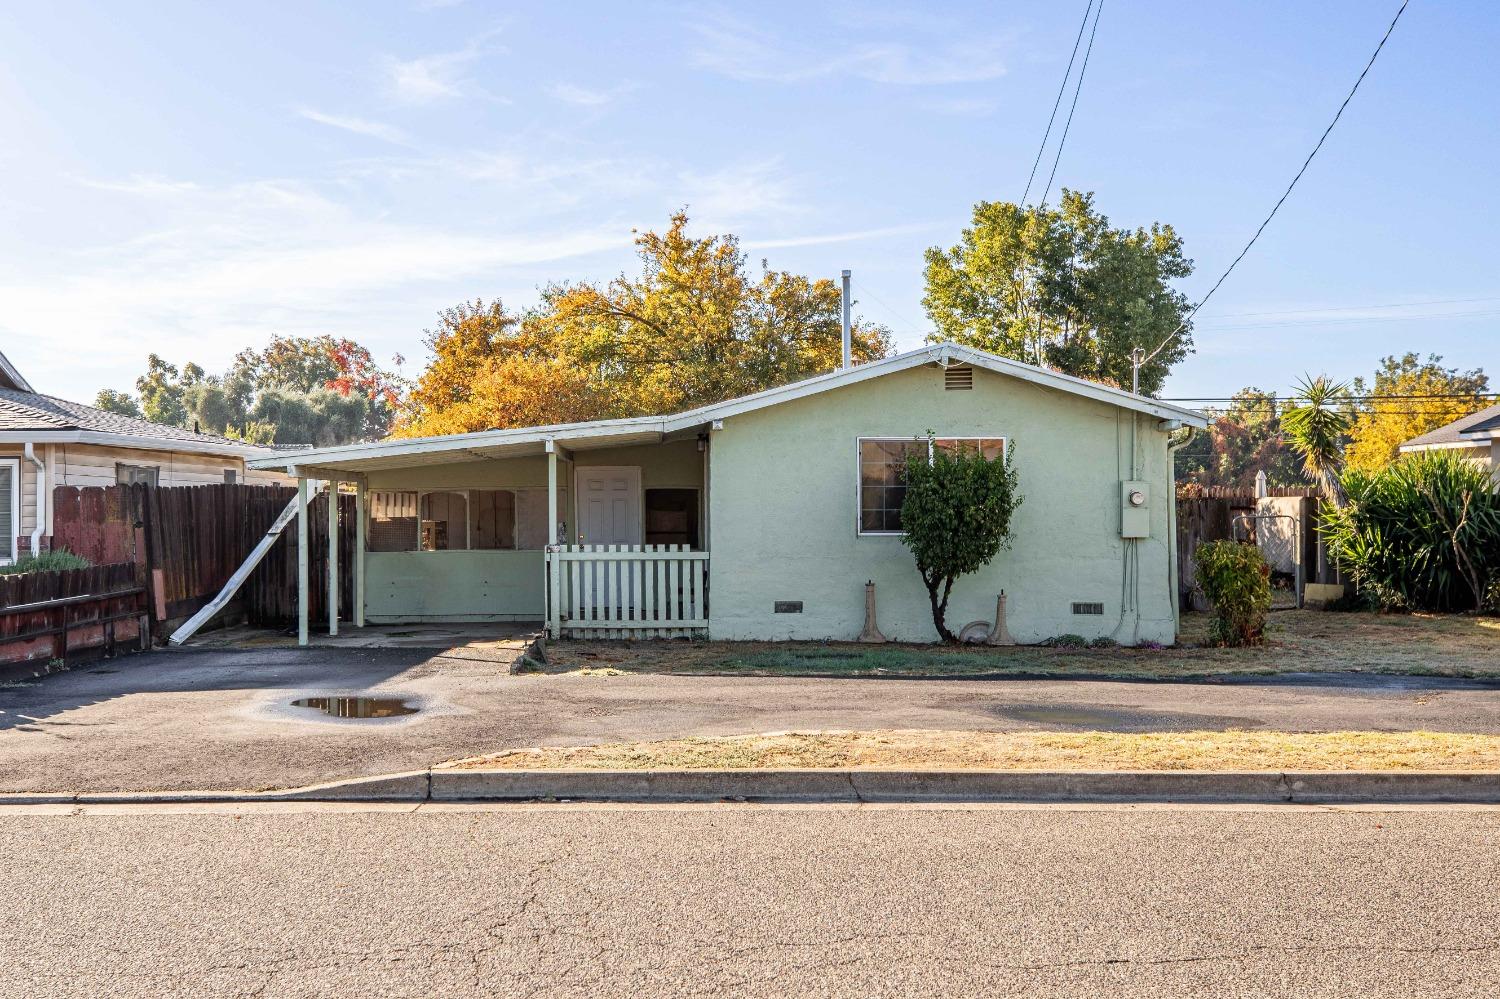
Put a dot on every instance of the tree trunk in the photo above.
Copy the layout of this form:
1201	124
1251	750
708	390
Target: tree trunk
940	608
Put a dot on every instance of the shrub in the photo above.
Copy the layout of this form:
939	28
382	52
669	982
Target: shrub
1067	642
1423	533
1103	642
46	562
1237	582
955	518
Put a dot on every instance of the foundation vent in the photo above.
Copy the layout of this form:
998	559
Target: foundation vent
960	377
1085	607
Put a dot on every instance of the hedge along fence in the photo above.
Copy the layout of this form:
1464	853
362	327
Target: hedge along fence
1423	533
50	616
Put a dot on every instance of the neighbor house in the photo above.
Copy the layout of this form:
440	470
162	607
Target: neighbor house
47	442
764	517
1476	436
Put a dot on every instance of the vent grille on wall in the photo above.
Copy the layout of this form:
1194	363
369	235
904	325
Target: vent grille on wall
958	377
1088	608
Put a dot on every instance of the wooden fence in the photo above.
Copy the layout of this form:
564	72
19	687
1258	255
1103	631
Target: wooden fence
48	617
187	540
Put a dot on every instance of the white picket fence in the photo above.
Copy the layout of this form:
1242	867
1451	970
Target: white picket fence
629	591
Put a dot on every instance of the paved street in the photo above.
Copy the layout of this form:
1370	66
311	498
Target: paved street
744	900
220	720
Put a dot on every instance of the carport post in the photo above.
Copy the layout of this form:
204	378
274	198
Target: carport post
303	486
359	552
551	566
333	556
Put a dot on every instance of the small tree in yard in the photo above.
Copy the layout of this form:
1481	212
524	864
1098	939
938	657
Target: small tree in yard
1237	582
956	518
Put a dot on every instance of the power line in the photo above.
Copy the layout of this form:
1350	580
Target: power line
1062	88
1076	88
1287	193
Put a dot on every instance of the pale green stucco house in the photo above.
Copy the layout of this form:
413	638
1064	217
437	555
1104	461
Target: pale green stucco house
763	517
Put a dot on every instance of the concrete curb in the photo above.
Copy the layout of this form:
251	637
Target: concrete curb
847	786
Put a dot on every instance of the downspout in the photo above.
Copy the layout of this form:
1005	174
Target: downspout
41	498
1172	573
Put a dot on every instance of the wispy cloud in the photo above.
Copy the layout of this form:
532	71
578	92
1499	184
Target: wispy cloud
359	126
728	196
824	239
736	48
222	267
571	93
439	75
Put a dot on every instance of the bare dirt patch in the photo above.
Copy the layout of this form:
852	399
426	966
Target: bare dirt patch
1298	641
920	750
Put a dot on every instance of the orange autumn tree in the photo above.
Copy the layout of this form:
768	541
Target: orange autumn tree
694	327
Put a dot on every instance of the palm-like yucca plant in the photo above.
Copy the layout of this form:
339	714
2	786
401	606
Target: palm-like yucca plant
1316	430
1423	533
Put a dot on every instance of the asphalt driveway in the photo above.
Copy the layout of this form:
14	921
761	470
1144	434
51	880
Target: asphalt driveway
220	719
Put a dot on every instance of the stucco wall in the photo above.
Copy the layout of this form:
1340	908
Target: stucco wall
783	514
453	586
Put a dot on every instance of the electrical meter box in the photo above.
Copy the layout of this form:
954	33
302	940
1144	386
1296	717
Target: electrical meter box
1135	509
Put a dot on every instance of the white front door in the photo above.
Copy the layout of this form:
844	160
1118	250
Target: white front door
609	505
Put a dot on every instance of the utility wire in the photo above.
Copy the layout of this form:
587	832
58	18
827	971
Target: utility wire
1076	88
1062	89
1287	193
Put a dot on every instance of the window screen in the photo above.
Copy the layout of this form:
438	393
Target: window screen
492	518
531	518
672	517
393	522
445	522
882	473
8	504
130	474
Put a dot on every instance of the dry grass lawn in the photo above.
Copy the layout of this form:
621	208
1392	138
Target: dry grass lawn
1427	644
918	750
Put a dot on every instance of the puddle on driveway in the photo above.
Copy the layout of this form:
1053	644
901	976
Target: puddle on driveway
357	707
1123	719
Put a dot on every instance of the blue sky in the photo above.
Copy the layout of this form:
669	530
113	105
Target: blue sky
191	178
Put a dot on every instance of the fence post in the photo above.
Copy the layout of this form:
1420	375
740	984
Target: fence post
303	487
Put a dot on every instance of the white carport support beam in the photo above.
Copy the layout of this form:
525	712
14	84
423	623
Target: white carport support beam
360	499
333	557
304	487
550	566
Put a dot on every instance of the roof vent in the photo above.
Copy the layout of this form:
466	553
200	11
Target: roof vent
958	377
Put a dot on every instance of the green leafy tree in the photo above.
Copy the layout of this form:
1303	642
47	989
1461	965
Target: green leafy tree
1237	582
1318	431
122	403
1060	286
956	518
1243	440
298	390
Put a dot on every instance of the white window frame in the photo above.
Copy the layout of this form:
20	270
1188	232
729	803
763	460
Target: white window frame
466	493
10	552
859	484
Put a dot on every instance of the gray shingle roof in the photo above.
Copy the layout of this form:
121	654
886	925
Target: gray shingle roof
1485	419
33	411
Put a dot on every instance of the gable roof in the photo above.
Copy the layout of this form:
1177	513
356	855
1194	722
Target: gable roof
11	378
397	453
30	416
1466	431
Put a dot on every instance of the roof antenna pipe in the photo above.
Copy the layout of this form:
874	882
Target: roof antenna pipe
848	334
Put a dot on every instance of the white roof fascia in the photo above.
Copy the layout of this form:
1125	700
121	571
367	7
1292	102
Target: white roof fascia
563	433
14	375
103	439
1444	445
